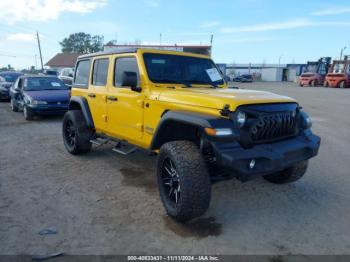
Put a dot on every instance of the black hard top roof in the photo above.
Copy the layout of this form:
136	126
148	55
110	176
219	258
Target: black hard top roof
111	52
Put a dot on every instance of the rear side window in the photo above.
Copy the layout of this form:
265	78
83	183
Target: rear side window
82	73
124	64
100	71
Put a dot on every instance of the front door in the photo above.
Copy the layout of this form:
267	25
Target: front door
125	106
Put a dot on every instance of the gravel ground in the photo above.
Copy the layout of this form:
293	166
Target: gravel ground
104	203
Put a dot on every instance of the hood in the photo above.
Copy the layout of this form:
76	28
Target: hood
336	75
49	95
218	98
308	74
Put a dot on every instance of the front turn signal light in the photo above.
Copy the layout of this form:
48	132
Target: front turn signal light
218	131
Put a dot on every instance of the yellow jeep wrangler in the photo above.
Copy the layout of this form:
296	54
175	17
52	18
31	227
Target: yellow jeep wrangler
178	106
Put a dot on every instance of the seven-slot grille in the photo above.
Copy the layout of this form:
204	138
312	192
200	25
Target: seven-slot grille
273	126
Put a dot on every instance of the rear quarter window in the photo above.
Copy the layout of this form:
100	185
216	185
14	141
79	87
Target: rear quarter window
100	72
82	73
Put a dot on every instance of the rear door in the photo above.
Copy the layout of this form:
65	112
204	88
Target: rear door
91	76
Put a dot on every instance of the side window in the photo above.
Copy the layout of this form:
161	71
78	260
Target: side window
323	69
20	85
82	73
100	71
125	64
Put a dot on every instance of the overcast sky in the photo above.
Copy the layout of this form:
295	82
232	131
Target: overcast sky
244	31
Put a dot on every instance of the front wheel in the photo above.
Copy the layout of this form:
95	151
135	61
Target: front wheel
27	113
313	83
76	134
14	107
342	84
325	84
183	180
288	175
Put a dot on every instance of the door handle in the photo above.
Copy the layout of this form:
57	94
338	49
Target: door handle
112	98
91	95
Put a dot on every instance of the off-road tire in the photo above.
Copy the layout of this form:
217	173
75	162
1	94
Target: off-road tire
194	180
14	108
77	142
342	84
27	113
288	175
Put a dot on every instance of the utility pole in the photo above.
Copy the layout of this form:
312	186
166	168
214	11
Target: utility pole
211	44
41	57
341	52
160	39
279	60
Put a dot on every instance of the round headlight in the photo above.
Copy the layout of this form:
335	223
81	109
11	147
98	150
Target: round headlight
305	120
241	118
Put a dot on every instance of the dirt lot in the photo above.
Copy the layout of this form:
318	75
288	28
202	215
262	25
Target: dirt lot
104	203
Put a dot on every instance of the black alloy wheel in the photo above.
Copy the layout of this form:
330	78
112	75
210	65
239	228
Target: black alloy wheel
69	133
171	181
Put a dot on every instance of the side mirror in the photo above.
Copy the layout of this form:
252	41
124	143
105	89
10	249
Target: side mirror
130	79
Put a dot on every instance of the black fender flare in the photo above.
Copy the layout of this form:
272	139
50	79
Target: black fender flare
196	120
83	105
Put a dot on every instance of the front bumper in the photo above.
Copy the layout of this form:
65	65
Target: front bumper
305	81
48	109
4	94
334	82
269	158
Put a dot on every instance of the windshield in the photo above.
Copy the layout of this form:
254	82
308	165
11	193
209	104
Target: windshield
338	68
181	70
43	83
311	68
10	77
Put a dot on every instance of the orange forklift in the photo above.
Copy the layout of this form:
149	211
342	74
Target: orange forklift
315	72
339	74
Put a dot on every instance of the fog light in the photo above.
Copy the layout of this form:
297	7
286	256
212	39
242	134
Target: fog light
252	164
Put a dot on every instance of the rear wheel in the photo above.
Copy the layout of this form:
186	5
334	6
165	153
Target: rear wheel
76	134
313	83
288	175
14	107
183	180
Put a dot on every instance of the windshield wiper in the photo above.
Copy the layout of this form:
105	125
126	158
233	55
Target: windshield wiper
170	81
212	85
